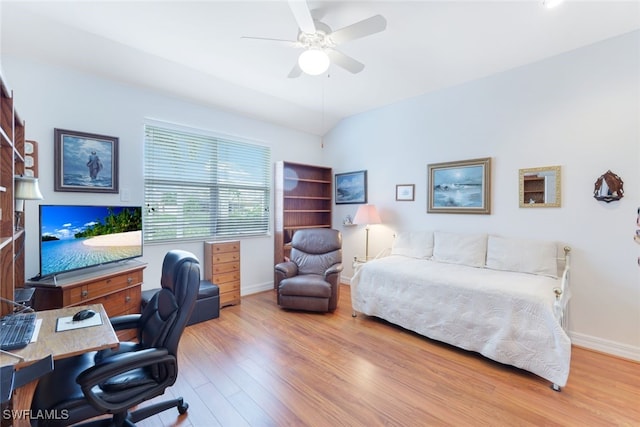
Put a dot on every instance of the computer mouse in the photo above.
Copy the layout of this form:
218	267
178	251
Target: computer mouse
83	315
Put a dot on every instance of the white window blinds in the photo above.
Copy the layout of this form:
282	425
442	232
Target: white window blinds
200	186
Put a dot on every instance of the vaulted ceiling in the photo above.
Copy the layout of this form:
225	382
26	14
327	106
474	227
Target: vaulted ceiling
195	50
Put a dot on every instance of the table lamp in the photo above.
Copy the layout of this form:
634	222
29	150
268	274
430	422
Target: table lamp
26	188
367	215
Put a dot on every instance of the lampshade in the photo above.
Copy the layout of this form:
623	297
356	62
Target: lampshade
26	188
367	214
314	61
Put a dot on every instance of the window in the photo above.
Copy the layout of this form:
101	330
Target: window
199	186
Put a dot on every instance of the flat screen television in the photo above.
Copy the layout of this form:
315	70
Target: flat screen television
74	237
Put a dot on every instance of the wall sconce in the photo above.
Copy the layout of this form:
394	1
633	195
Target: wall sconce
26	188
367	215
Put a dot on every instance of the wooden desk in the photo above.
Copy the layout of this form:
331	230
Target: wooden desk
60	345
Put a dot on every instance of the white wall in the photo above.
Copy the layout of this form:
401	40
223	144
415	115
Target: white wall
580	110
49	97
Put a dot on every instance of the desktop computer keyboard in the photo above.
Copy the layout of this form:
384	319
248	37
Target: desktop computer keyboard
16	330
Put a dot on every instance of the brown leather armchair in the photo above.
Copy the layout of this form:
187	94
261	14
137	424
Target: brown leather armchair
310	280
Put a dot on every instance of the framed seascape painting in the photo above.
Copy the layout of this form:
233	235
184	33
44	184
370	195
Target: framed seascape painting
459	187
351	187
85	162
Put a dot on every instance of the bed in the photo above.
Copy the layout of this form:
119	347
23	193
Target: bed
505	298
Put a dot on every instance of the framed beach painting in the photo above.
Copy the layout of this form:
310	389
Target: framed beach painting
85	162
351	187
459	187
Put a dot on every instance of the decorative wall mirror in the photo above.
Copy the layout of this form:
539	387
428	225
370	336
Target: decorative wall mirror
540	187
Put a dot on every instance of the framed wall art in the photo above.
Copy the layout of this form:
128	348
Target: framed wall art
405	192
85	162
459	187
351	187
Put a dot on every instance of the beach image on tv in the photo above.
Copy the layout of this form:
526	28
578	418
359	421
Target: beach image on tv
74	237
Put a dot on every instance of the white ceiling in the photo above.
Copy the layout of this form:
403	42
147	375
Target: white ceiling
194	49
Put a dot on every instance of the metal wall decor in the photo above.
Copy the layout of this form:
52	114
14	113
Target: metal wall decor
608	187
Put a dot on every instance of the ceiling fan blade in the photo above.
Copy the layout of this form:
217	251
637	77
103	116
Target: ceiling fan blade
293	43
344	61
303	16
296	71
363	28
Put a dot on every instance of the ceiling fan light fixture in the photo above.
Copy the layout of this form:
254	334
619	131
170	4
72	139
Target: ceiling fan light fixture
314	61
550	4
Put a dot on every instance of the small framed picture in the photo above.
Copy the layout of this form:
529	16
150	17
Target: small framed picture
85	162
405	192
351	187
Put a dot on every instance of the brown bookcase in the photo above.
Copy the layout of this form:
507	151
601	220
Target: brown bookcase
12	144
303	199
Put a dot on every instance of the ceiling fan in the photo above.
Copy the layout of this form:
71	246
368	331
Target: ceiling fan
319	41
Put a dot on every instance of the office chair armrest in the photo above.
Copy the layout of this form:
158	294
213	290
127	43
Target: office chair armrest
287	269
120	364
126	321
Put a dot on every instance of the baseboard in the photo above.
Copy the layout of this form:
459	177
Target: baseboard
258	287
602	345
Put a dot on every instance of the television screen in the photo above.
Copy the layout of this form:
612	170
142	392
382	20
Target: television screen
75	237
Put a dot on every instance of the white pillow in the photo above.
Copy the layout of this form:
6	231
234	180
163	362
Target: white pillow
460	248
414	244
522	255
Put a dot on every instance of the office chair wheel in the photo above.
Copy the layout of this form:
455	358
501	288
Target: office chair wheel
182	408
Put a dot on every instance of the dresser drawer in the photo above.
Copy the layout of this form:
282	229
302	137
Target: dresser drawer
229	298
234	276
229	287
126	301
226	247
81	294
226	268
226	257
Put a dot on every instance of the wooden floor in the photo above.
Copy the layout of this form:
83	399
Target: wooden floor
258	365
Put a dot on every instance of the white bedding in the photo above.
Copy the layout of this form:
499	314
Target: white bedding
505	316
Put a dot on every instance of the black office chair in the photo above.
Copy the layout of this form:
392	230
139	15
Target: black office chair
114	381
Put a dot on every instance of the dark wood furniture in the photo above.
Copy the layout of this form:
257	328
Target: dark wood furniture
116	287
12	163
303	199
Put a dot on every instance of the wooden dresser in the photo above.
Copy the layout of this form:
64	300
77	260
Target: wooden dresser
117	288
222	267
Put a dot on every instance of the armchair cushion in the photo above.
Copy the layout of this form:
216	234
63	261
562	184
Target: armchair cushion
309	285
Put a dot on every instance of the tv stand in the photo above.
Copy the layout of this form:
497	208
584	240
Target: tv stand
117	287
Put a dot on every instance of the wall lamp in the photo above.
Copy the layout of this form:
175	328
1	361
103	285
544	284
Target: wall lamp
25	188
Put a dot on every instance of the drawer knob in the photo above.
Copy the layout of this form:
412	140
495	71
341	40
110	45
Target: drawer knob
127	298
84	294
129	280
